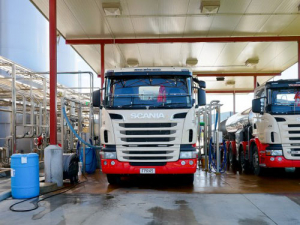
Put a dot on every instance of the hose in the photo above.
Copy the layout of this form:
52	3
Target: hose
11	208
75	133
212	153
212	160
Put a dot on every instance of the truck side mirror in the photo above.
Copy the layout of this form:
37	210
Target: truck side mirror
256	106
201	97
97	98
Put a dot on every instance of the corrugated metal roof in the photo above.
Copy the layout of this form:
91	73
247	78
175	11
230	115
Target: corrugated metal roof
182	18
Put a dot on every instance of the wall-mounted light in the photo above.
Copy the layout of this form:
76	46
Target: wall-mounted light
252	62
210	6
191	61
112	8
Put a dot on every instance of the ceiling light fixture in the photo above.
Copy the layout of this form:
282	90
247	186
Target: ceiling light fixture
252	62
230	82
220	78
191	61
210	6
132	62
111	8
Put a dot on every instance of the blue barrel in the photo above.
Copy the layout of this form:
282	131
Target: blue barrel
25	181
90	159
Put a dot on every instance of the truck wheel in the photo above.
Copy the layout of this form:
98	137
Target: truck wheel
241	160
257	170
113	179
231	157
188	178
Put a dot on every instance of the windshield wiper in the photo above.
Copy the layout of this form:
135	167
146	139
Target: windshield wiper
171	104
131	105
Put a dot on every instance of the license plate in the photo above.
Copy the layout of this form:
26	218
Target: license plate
147	171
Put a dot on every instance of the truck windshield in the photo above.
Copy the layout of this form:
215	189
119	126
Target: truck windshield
284	101
148	92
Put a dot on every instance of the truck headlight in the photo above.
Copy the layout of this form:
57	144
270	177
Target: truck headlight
188	155
274	152
108	155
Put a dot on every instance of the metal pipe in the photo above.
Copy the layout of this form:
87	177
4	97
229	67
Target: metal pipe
53	71
233	102
237	74
62	127
14	109
205	138
182	40
5	110
32	108
24	110
83	156
218	111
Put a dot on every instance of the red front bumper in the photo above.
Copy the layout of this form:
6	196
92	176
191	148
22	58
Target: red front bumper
279	162
169	168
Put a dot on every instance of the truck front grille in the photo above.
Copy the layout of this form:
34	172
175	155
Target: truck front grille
148	132
290	139
148	142
148	139
147	125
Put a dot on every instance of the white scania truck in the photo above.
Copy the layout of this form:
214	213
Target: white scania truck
149	123
268	136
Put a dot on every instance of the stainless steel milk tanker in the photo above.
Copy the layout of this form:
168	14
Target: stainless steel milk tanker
239	121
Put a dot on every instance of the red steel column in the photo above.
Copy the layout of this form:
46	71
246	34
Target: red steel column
53	71
102	64
299	60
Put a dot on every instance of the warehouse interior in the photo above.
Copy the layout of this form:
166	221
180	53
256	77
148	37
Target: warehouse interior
150	111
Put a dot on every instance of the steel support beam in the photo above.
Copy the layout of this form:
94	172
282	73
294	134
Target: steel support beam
182	40
53	71
229	92
271	74
299	59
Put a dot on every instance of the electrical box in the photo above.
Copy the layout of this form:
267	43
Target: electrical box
214	135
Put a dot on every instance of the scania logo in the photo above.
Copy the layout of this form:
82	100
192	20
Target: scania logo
147	115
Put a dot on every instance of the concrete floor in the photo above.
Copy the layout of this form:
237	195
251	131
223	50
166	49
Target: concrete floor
227	199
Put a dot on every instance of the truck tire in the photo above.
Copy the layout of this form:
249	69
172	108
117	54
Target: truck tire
113	179
188	178
231	157
241	159
257	170
243	162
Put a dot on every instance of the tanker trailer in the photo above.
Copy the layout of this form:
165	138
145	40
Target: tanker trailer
267	136
239	133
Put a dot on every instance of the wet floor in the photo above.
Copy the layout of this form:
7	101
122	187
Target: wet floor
230	198
232	182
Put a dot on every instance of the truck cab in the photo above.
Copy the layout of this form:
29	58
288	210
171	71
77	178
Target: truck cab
276	124
149	123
